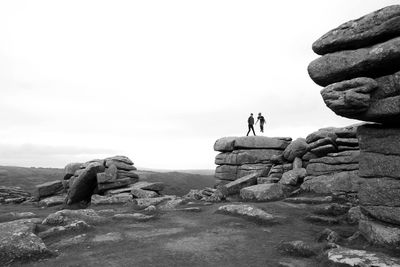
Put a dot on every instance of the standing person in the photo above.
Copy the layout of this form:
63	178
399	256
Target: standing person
250	122
262	121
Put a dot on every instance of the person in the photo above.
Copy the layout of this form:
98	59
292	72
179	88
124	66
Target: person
262	121
250	122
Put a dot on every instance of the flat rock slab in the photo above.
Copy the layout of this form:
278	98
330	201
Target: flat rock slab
57	230
63	217
379	234
52	201
12	216
156	186
48	189
235	186
309	200
113	199
18	242
145	202
140	193
353	257
227	144
249	212
264	192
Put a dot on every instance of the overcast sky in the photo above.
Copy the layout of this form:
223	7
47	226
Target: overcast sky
158	81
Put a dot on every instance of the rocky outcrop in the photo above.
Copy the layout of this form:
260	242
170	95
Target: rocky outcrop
241	156
12	194
361	71
48	189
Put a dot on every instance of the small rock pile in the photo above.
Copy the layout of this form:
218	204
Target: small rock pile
360	69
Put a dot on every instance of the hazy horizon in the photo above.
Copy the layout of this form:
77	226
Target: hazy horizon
158	81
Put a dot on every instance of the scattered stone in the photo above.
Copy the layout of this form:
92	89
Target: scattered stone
18	242
140	193
72	227
354	215
109	237
113	199
13	194
249	212
172	204
72	241
353	257
145	202
265	192
328	235
299	248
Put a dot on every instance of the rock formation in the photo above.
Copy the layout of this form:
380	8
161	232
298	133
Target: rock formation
360	68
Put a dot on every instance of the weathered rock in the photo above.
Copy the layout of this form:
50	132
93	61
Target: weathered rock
354	215
346	182
152	186
72	241
353	257
373	28
292	177
309	200
249	212
267	180
379	139
327	235
300	248
351	142
113	199
316	169
250	156
52	201
380	192
70	169
48	189
172	204
380	234
265	192
63	217
109	237
321	142
140	193
12	192
246	169
328	134
115	184
145	202
379	165
346	148
71	227
84	186
227	144
383	213
130	174
133	216
235	186
375	61
297	148
120	165
297	163
345	157
323	150
11	216
18	242
309	156
226	172
123	159
109	175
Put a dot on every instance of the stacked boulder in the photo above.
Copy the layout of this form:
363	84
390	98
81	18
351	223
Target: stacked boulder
360	69
241	156
97	176
332	162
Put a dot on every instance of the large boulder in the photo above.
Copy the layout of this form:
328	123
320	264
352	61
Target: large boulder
383	213
379	165
379	139
18	242
292	177
123	159
374	61
341	182
120	165
84	186
265	192
48	189
380	192
70	169
380	234
64	217
373	28
235	186
226	172
109	175
297	148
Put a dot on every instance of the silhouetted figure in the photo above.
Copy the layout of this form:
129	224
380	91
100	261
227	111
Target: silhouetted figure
250	122
262	121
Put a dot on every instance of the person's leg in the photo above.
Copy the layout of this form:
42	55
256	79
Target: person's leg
253	130
262	127
248	130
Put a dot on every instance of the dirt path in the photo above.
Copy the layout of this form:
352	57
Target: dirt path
182	238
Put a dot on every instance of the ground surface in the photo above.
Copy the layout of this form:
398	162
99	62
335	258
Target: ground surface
182	238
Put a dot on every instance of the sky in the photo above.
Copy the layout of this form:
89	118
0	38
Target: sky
158	81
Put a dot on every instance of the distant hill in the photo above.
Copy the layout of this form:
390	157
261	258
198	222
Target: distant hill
177	183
